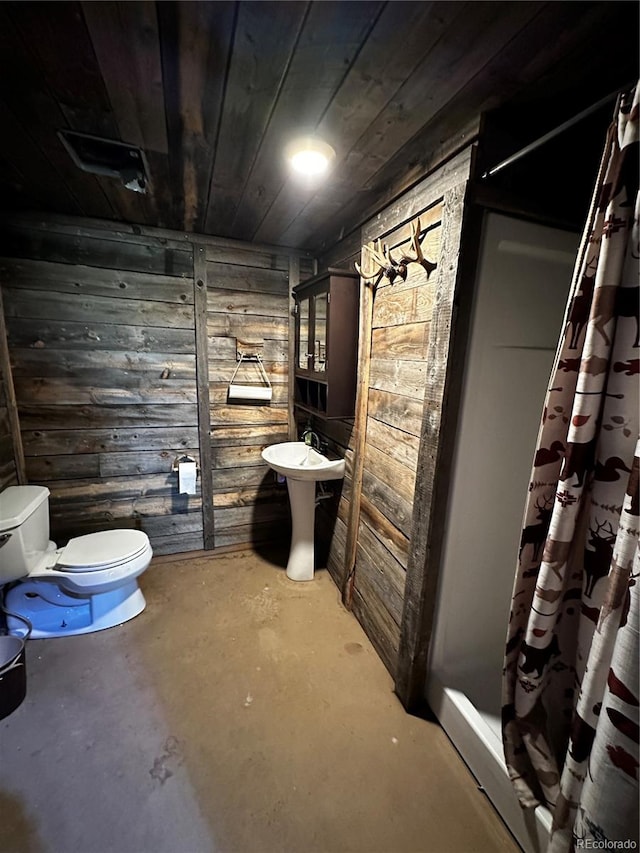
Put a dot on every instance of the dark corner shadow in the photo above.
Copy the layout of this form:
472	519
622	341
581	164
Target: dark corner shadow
423	712
326	515
271	521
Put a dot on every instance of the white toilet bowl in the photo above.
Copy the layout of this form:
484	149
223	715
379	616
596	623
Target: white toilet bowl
89	585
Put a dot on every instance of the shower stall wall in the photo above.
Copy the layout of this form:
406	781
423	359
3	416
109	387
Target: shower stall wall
520	295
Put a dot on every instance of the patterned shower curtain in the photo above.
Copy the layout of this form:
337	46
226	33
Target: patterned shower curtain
570	683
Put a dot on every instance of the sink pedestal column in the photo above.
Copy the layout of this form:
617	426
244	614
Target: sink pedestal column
302	497
303	466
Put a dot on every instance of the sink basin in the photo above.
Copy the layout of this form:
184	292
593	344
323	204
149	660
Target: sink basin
303	466
297	461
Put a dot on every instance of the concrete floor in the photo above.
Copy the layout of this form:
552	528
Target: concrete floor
240	712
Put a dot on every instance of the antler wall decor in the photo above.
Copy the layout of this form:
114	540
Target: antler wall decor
418	257
380	263
377	260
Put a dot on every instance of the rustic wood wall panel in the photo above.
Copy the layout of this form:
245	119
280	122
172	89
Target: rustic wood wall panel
248	293
248	311
122	344
79	243
12	468
401	323
402	386
101	336
399	340
8	473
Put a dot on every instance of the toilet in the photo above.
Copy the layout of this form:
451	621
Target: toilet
89	585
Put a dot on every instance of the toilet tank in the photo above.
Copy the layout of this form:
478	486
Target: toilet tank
24	530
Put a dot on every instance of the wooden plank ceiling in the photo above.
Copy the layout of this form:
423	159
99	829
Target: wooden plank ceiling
212	91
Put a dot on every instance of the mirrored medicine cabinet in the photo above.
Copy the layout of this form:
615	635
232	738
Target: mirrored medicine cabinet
326	343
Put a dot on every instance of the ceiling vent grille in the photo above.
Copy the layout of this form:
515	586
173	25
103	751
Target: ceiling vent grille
107	157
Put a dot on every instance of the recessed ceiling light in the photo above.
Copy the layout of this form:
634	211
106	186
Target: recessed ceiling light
309	156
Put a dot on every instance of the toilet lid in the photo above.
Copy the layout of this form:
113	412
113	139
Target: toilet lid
99	550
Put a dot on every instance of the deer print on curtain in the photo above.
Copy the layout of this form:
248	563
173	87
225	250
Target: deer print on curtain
570	683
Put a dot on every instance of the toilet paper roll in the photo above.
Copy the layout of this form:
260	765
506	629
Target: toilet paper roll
187	478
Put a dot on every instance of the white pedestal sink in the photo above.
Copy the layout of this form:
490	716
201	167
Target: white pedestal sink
303	466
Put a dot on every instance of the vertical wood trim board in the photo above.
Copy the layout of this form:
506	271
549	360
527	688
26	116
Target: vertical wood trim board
202	379
10	471
434	461
367	297
294	279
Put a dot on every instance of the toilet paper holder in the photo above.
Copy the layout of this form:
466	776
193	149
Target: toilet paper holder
184	458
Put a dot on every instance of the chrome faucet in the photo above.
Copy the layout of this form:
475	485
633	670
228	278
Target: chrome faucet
311	438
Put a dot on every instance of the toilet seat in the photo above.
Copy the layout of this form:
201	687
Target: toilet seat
104	550
96	562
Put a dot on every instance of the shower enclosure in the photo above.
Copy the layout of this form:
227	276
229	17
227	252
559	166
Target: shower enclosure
520	295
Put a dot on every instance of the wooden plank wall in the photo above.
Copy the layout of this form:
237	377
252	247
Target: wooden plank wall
8	473
11	457
102	339
400	338
400	379
248	311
